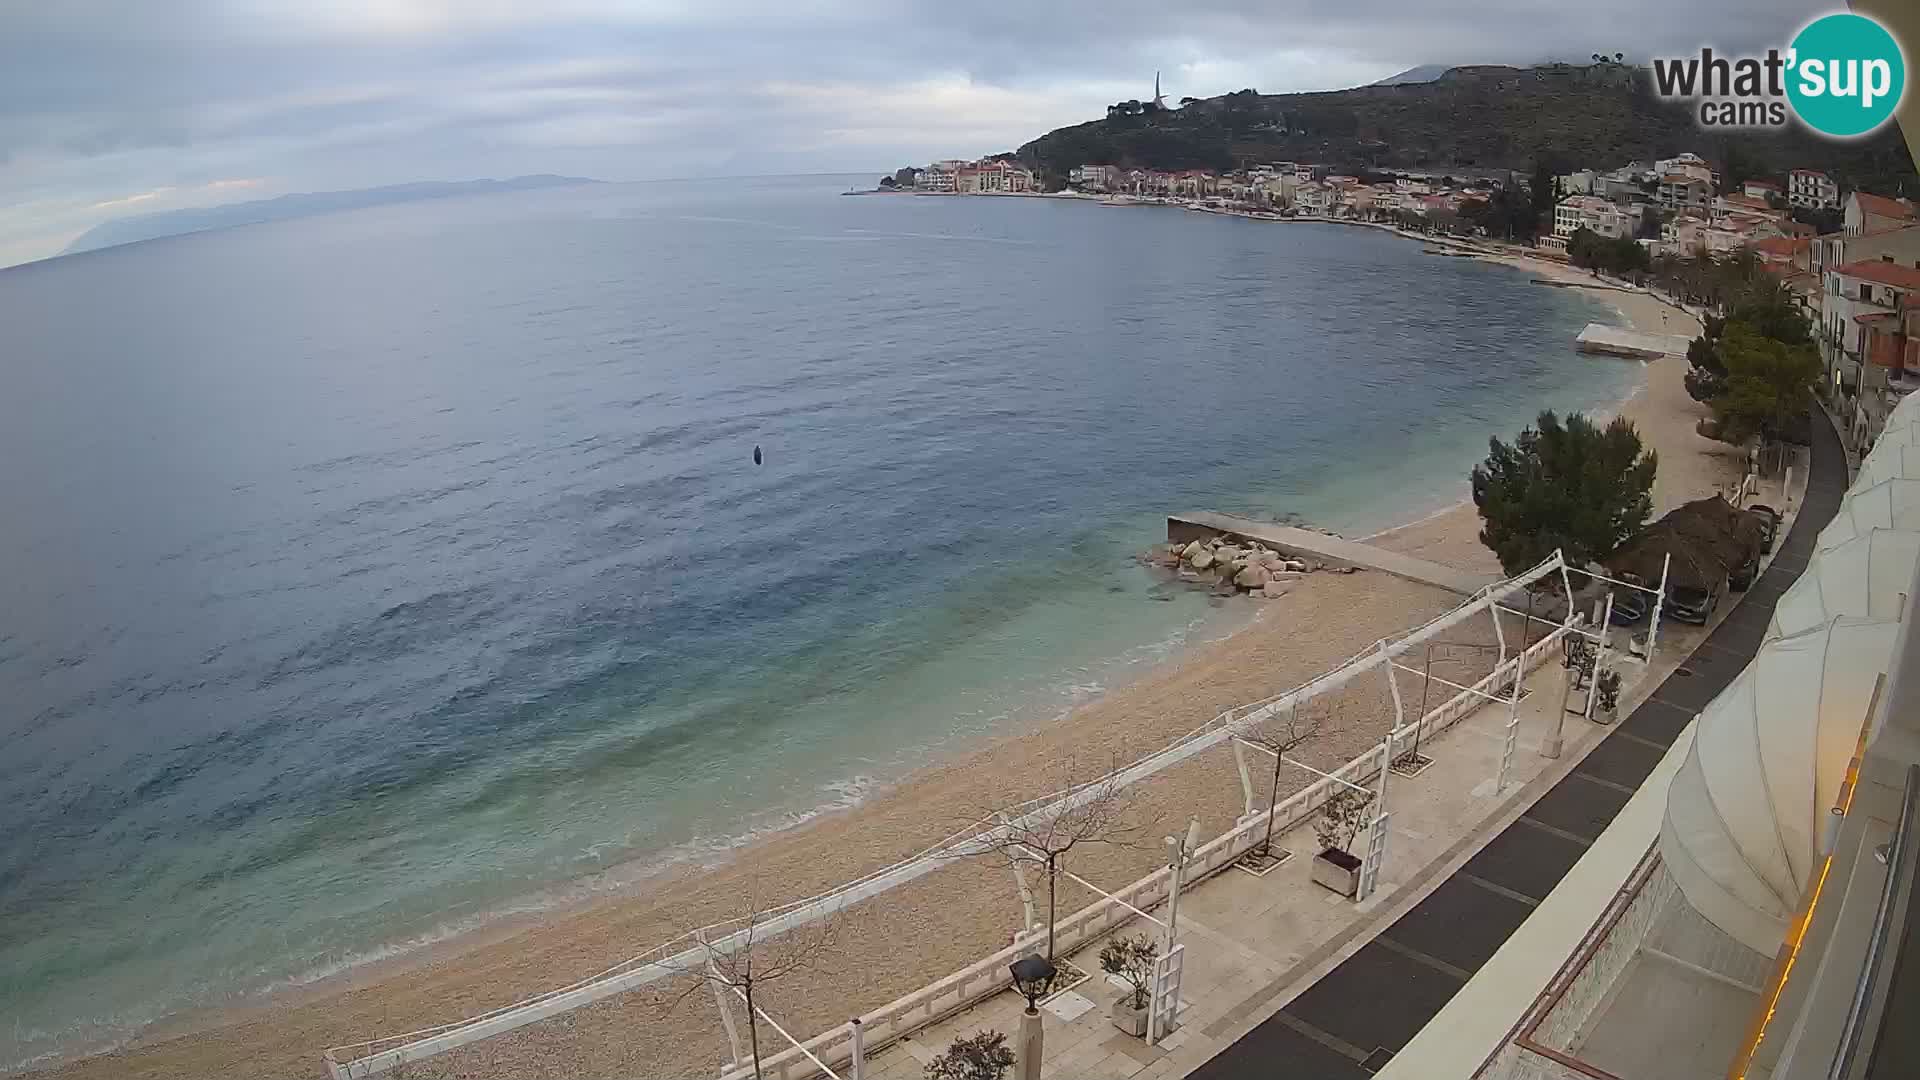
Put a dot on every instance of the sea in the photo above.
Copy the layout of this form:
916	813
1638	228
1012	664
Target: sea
368	577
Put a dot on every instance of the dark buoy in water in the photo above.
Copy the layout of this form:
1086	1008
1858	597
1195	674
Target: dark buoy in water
756	455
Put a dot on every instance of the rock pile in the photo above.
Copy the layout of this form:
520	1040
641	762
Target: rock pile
1234	566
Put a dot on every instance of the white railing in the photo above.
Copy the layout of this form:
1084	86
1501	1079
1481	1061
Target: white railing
988	976
689	952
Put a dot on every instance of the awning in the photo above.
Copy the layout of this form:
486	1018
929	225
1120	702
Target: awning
1866	576
1747	811
1889	504
1889	461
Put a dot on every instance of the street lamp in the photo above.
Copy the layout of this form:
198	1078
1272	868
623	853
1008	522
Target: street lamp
1033	977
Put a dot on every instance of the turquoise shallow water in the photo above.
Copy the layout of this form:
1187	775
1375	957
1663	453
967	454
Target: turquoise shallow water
368	575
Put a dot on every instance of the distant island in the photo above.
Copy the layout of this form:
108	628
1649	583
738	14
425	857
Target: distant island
130	230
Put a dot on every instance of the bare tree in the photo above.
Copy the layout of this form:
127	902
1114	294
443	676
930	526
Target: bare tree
1095	813
751	954
1279	733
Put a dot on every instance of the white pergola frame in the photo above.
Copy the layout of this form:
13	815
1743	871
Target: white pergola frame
675	958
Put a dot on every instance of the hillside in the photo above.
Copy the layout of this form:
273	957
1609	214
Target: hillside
128	230
1470	119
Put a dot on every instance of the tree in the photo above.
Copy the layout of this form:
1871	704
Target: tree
983	1055
1543	193
889	182
1131	959
750	957
1767	384
1097	815
1706	374
1650	221
1614	255
1341	818
1572	486
1279	734
906	176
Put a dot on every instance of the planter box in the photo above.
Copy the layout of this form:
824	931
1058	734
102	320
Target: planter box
1338	871
1129	1019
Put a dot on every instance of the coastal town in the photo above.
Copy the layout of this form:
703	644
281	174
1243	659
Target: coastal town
1851	258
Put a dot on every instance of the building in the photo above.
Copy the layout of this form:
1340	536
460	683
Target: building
1680	192
1596	214
1866	213
1002	177
1689	165
1195	183
1895	245
1095	177
1784	255
1853	298
1813	189
941	176
1763	190
1579	182
1892	350
1314	198
1752	205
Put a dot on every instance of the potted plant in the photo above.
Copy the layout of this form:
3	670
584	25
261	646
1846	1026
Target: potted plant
983	1055
1131	959
1606	697
1340	820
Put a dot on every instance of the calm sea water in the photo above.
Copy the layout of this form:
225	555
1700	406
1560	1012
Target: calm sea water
365	575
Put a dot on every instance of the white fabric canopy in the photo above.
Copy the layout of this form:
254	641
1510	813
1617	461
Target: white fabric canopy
1747	811
1889	504
1866	576
1906	412
1888	461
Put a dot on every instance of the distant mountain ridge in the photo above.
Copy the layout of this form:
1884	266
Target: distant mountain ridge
1425	73
1473	119
153	226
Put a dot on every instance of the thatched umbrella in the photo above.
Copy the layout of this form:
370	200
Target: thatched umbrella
1706	539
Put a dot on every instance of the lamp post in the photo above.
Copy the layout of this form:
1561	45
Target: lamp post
1033	977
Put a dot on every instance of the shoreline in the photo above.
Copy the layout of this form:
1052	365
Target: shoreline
479	967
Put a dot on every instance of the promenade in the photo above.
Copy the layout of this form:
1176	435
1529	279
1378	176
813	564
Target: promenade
1284	977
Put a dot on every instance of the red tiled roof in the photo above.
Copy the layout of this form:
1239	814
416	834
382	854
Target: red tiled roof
1808	172
1768	184
1882	273
1749	201
1779	245
1881	206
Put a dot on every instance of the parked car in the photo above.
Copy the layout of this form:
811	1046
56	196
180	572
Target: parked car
1740	578
1771	518
1629	606
1692	604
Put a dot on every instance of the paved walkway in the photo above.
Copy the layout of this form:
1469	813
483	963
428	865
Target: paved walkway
1352	1021
1333	550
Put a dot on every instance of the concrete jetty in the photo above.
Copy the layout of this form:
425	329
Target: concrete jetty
1615	341
1322	548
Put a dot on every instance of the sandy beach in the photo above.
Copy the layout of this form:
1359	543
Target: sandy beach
950	918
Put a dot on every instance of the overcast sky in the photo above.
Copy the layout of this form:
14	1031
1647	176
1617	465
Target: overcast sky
111	107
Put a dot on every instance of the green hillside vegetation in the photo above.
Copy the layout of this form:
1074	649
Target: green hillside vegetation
1470	120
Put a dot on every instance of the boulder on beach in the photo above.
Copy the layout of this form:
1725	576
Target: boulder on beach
1202	559
1273	590
1251	577
1297	565
1191	550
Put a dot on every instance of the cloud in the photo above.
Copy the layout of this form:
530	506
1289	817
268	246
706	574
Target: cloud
104	103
